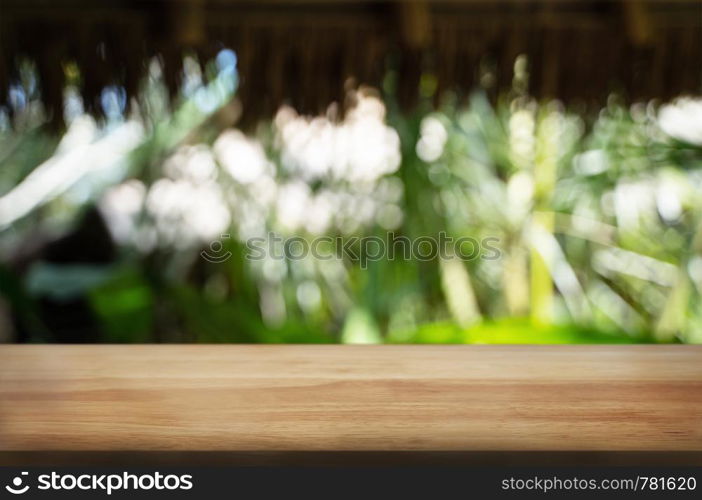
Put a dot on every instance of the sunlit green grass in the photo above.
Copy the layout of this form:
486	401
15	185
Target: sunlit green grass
509	331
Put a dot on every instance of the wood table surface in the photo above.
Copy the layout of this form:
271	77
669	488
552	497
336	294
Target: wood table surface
350	398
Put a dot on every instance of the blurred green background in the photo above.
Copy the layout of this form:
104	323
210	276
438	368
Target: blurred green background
133	227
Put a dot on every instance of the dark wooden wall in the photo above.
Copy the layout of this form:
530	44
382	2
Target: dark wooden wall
304	52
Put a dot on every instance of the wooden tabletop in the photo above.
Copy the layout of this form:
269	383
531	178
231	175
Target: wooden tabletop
350	398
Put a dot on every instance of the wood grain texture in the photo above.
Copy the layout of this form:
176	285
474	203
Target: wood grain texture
354	398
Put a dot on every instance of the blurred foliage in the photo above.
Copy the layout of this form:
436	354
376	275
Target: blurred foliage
507	331
595	219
